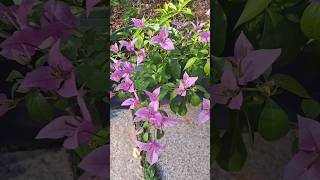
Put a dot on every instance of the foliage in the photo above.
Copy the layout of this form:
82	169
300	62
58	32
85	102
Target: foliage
60	72
158	59
247	35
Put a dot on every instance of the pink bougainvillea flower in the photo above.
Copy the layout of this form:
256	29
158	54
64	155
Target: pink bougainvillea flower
58	12
185	83
59	75
163	40
228	91
133	102
139	23
180	25
153	150
166	122
204	37
306	163
17	15
96	164
21	45
197	27
127	85
154	98
154	117
115	48
57	22
77	130
122	69
4	104
129	44
250	63
204	115
141	54
90	4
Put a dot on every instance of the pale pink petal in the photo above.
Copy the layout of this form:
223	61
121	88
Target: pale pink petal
204	116
309	134
83	107
164	32
236	102
218	94
242	48
56	129
256	63
57	60
297	167
167	44
41	77
143	146
152	157
69	87
97	162
90	4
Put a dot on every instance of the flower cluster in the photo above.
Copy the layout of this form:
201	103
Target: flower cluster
55	76
250	64
139	57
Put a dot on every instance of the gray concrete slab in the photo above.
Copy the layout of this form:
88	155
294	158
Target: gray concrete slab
187	153
123	166
35	165
266	161
186	156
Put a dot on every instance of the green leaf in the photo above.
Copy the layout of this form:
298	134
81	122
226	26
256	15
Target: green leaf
139	43
38	107
190	62
174	106
146	124
163	93
101	137
83	150
160	133
251	10
172	95
41	61
94	78
97	20
288	83
231	152
182	109
145	137
311	108
175	68
14	74
206	69
61	104
219	29
141	84
310	21
273	121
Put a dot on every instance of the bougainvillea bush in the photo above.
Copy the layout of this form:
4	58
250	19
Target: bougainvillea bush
164	60
59	48
266	63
